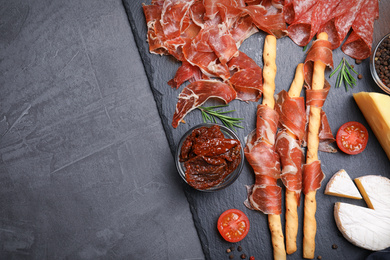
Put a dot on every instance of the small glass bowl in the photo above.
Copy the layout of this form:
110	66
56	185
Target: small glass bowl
228	133
374	74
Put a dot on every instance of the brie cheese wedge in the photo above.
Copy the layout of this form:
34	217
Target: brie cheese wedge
341	185
368	228
363	227
370	186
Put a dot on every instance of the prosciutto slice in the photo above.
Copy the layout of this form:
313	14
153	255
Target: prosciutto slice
265	195
292	118
321	50
184	73
304	29
267	20
248	79
155	34
291	158
198	92
242	29
312	177
358	44
292	113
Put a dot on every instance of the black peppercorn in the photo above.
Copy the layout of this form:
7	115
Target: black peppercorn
231	256
243	256
239	248
382	61
334	246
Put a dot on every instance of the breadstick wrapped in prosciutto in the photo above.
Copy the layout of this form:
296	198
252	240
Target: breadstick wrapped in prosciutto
292	118
266	194
318	57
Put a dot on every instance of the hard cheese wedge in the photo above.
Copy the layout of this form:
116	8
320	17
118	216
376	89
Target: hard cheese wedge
365	227
376	110
342	185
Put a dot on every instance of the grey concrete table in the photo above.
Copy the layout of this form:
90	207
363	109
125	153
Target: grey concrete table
85	168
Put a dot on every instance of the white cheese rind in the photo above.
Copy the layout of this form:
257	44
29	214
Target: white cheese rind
363	227
368	228
342	185
377	189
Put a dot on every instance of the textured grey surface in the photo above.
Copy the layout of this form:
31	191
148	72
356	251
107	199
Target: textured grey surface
85	167
340	108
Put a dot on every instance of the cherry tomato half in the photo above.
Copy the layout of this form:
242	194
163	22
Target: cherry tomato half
233	225
352	137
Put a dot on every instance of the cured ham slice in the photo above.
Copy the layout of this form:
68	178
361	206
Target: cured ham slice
292	117
325	135
270	22
321	50
198	92
358	44
312	177
294	9
341	21
292	113
212	6
172	15
207	62
291	157
184	73
242	29
223	45
265	194
304	29
248	79
155	36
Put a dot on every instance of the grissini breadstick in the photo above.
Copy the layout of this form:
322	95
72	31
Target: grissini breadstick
310	204
269	74
269	71
297	84
291	200
292	120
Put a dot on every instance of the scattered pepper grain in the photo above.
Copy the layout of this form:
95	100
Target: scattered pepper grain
231	256
334	246
243	256
239	248
228	250
319	257
360	76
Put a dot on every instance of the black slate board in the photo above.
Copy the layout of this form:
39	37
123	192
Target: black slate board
340	108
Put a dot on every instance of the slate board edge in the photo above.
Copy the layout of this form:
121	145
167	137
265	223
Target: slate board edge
157	97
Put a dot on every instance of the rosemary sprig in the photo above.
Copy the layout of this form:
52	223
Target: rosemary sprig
210	114
344	75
